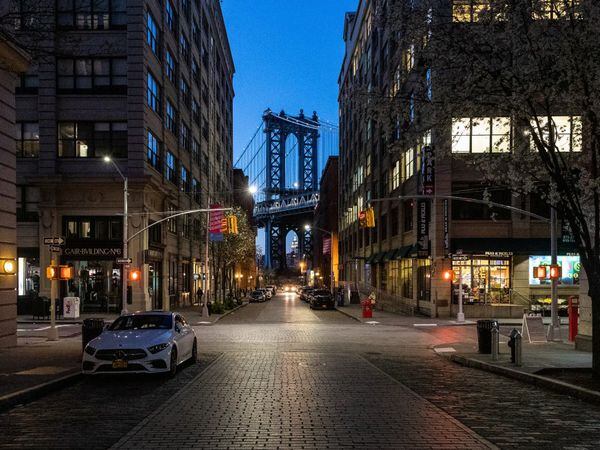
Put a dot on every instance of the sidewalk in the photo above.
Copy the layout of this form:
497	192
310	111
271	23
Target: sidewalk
552	365
37	366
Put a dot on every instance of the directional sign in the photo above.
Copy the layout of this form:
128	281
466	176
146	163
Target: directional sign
124	260
54	241
55	249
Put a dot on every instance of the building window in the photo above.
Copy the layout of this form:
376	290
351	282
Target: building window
172	223
185	180
477	10
85	74
185	92
92	139
395	173
567	133
185	137
196	112
91	15
29	83
196	190
28	139
185	229
196	152
394	222
99	228
408	215
170	66
184	48
196	34
170	168
195	72
481	135
153	151
155	234
28	201
153	94
406	272
408	164
152	34
462	210
171	16
171	118
556	9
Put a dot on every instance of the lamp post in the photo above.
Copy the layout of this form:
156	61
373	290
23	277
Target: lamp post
124	267
308	227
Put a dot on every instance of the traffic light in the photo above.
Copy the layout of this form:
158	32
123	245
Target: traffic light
370	212
232	224
540	272
65	272
135	275
448	275
52	272
362	219
229	225
555	272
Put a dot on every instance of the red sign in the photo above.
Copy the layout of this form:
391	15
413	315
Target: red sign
327	246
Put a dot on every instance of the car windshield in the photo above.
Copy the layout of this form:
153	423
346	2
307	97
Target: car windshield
142	322
321	292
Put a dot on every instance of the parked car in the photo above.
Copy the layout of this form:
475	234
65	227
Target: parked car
306	293
273	289
257	296
267	292
322	298
146	342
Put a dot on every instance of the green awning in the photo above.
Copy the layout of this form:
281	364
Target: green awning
388	256
376	258
404	252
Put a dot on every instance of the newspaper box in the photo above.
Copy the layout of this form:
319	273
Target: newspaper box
71	307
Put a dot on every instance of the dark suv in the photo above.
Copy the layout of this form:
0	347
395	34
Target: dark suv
322	298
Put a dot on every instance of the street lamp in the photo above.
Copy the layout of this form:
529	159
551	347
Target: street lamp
124	278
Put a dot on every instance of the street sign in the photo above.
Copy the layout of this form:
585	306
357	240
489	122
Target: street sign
55	249
124	260
54	241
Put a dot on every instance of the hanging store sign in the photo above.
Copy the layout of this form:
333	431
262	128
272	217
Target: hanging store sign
423	227
446	230
427	170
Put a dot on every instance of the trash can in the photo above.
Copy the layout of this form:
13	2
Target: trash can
92	328
484	335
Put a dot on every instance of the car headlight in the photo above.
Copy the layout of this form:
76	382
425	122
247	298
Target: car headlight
90	350
157	348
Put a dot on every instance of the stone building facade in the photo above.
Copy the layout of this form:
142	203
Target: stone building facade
150	84
13	61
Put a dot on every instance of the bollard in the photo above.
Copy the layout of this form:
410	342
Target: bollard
518	349
495	343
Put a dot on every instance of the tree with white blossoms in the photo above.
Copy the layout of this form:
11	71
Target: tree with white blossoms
534	66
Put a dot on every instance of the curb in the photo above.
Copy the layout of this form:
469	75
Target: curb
33	393
530	378
348	315
225	314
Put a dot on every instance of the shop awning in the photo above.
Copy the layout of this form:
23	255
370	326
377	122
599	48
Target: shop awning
404	251
388	256
517	246
376	258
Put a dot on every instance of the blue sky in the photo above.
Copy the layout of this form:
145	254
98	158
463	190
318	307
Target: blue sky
288	55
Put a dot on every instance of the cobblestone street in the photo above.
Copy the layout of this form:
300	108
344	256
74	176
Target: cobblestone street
279	375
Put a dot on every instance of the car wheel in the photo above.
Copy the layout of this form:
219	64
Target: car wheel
173	364
194	357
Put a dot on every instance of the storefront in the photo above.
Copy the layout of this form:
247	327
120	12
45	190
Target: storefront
485	278
92	246
29	272
154	258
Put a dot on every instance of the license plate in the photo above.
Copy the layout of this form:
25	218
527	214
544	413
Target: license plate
119	364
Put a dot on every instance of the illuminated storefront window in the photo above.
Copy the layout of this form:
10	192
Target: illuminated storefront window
485	279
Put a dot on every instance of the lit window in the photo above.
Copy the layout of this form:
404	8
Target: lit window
153	93
481	135
555	9
567	133
152	34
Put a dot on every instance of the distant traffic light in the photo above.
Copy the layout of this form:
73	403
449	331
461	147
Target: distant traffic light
362	219
370	212
448	275
229	225
135	275
65	272
555	272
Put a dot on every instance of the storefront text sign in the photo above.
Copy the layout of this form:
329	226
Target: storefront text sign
102	252
428	171
423	226
446	227
499	254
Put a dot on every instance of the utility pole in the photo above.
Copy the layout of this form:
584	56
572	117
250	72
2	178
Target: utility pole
554	333
53	331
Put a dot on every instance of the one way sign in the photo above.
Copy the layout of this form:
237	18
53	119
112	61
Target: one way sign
54	241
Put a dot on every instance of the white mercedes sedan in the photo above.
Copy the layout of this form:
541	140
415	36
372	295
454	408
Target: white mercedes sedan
145	342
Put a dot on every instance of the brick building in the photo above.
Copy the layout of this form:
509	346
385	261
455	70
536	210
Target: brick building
149	83
415	241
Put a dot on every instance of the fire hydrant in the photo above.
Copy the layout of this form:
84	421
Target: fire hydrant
367	306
